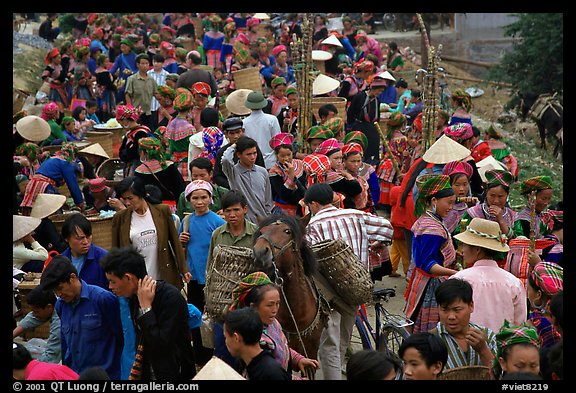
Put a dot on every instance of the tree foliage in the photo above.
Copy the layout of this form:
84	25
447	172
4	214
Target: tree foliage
536	61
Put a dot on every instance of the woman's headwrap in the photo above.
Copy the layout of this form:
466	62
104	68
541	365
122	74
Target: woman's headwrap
499	177
65	46
244	287
335	124
168	47
458	167
97	34
316	166
29	150
430	186
181	54
201	88
361	36
241	37
214	19
278	81
459	132
252	22
535	184
183	101
154	38
172	77
492	132
166	91
328	146
283	138
212	138
81	51
97	184
68	151
127	42
128	112
352	147
279	49
291	90
153	149
101	59
395	121
510	335
464	98
549	277
229	28
50	111
358	137
67	119
198	185
365	65
52	53
160	131
319	132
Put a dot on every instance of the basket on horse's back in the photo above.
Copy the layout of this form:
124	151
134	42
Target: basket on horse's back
343	269
228	267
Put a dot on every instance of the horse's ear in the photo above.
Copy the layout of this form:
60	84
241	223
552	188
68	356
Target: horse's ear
304	221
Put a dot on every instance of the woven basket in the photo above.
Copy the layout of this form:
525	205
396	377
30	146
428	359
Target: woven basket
104	138
229	265
248	78
467	373
339	103
344	271
101	228
109	169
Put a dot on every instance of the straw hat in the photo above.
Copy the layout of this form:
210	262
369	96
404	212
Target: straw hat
332	40
235	102
95	149
386	75
255	100
261	16
33	128
324	84
321	55
445	150
488	163
217	369
47	204
23	225
484	233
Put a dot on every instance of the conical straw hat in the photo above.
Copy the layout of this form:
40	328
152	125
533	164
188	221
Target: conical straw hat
95	149
217	369
332	40
23	225
235	102
445	150
386	75
488	163
261	16
33	128
47	204
324	84
321	55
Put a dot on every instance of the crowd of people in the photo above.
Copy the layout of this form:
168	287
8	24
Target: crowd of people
203	166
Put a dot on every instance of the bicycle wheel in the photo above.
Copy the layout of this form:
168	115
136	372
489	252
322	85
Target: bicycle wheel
391	337
363	333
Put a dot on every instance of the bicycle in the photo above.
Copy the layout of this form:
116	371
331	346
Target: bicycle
389	330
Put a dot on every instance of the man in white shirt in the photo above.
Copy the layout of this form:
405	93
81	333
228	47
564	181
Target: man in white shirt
159	75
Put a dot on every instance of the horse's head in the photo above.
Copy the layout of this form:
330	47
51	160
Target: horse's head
527	99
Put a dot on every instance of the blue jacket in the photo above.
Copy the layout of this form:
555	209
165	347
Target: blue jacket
91	271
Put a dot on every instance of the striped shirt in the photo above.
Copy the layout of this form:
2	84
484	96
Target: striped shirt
160	79
355	227
456	356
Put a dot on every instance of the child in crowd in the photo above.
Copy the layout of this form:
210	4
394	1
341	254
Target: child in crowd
424	355
81	124
91	109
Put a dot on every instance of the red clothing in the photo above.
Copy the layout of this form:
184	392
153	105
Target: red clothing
481	151
36	370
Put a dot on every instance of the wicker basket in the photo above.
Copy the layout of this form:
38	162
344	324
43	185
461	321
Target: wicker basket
110	169
104	138
24	288
467	373
229	265
339	103
344	271
101	228
248	78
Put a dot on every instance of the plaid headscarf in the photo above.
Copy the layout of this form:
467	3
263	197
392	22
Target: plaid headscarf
328	146
181	54
127	42
457	167
241	53
279	49
316	166
30	150
166	91
183	101
154	149
277	81
319	132
201	88
356	136
549	277
459	132
214	19
50	111
128	112
395	121
66	120
168	47
260	40
352	147
81	51
499	177
52	53
68	151
172	77
244	287
198	185
510	335
154	38
291	90
535	184
463	98
229	28
335	124
430	186
283	138
160	131
212	138
365	65
252	22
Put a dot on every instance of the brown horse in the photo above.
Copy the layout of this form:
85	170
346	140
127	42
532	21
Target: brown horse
281	252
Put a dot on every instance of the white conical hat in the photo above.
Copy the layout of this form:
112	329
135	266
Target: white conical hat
217	369
324	84
488	163
386	75
321	55
261	16
33	128
445	150
23	225
235	102
47	204
332	40
95	149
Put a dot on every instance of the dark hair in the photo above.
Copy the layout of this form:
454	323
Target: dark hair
76	112
90	104
158	58
21	357
245	143
120	261
233	197
475	130
254	54
557	308
430	346
494	185
556	359
325	110
283	146
73	221
94	373
209	117
246	322
520	376
201	163
153	194
368	364
449	291
393	45
194	58
142	56
402	83
59	270
40	297
256	294
319	192
133	184
416	93
419	166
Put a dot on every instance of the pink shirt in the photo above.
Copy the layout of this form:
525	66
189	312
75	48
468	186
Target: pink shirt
498	295
36	370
